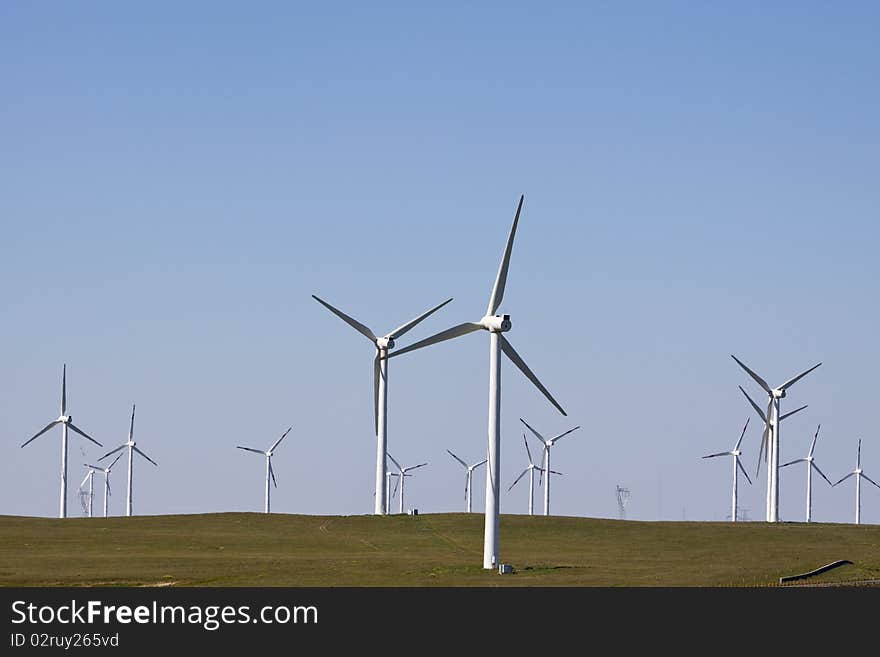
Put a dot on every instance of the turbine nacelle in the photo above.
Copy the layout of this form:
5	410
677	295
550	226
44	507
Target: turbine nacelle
65	419
130	443
496	323
777	393
385	343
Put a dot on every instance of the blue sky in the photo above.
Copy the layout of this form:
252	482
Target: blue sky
178	180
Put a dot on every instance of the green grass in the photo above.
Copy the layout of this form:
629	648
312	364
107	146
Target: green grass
251	549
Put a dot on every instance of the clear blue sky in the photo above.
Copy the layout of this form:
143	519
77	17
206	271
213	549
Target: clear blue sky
177	180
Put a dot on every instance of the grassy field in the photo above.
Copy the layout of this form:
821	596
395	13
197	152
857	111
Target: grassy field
250	549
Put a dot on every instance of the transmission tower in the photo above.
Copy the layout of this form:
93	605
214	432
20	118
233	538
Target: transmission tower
622	499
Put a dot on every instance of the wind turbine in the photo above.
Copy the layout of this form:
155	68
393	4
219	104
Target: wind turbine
66	421
495	325
545	460
132	447
380	389
531	470
735	453
106	472
811	465
268	454
770	437
90	477
859	476
468	479
402	474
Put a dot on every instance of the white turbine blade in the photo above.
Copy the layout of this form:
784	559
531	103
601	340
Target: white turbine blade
119	456
483	462
251	449
64	389
400	330
131	426
394	461
94	467
712	456
396	483
790	413
554	472
800	376
40	432
539	436
413	467
272	473
761	382
754	405
522	474
763	448
278	442
466	482
844	479
83	433
123	446
85	479
785	465
864	476
815	438
742	469
448	334
813	464
377	374
145	456
501	278
742	435
541	469
508	349
356	325
528	451
859	460
457	459
563	434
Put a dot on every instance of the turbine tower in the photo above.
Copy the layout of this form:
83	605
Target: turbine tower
531	470
402	474
468	479
811	465
66	421
735	453
859	476
496	325
269	471
106	472
380	390
132	447
770	437
545	460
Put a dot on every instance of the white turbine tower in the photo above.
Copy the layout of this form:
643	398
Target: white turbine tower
811	464
468	479
380	390
531	470
770	437
737	465
495	325
90	477
545	460
269	471
402	474
66	421
106	472
132	447
859	476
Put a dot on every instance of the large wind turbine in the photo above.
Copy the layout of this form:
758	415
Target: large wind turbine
770	437
380	390
531	470
65	421
468	479
132	447
735	453
90	477
402	474
269	471
106	472
811	464
859	476
495	325
545	460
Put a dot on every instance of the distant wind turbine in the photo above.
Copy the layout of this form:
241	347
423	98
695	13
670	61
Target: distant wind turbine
402	474
90	477
545	460
811	465
132	447
859	476
106	472
737	465
468	479
531	470
269	471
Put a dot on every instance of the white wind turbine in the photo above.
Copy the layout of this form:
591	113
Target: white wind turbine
495	325
735	453
269	471
90	477
811	464
106	472
66	421
468	478
545	460
531	470
859	476
402	474
770	437
132	447
380	390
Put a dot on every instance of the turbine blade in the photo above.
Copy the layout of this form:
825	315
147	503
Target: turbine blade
113	452
864	476
859	460
743	470
119	456
448	334
85	479
510	352
278	442
528	451
400	330
145	456
394	461
83	433
742	435
761	382
413	467
356	325
712	456
272	473
754	405
815	438
541	469
554	472
457	459
813	464
131	426
785	465
251	449
483	462
64	389
800	376
790	413
563	434
396	483
93	467
501	278
539	436
40	432
844	479
522	474
763	448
